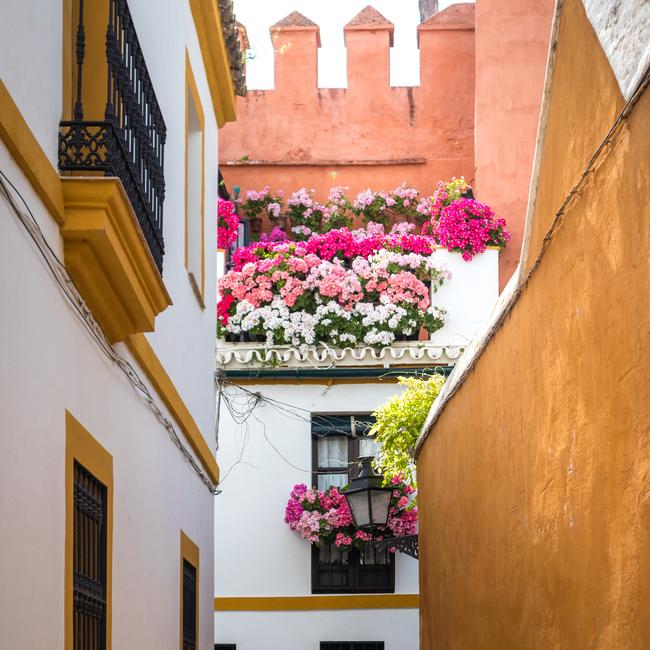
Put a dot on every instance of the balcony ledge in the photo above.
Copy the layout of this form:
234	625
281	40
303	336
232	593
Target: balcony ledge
246	355
108	258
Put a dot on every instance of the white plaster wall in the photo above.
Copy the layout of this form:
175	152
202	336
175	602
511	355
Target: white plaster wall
468	296
262	557
31	59
31	68
623	29
398	628
185	332
50	364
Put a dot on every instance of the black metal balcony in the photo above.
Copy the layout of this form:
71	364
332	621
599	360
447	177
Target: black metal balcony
129	141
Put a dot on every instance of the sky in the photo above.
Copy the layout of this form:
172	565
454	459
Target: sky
331	16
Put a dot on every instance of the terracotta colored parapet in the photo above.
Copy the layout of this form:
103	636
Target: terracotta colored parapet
296	40
368	38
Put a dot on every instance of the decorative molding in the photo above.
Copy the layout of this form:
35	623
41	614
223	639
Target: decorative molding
150	364
108	258
315	603
246	354
29	155
215	59
323	163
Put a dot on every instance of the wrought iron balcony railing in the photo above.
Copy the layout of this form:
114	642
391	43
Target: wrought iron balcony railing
129	141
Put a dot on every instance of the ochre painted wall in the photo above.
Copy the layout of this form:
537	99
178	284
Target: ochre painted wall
367	135
512	38
534	482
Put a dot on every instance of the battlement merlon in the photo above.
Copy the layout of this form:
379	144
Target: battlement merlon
296	40
368	38
447	50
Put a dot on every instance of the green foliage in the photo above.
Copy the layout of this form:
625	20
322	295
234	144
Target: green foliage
399	422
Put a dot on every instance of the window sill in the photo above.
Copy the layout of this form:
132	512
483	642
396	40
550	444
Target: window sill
108	257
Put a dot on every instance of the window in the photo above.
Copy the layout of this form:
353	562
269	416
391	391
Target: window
88	540
189	593
89	564
337	442
225	646
351	645
194	185
189	606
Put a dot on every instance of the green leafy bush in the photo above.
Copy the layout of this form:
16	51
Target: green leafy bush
399	422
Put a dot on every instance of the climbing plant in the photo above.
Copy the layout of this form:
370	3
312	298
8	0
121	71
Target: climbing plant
399	422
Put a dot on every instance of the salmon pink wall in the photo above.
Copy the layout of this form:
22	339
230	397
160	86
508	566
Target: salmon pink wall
369	134
512	38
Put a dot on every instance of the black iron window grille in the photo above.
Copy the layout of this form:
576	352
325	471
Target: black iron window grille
89	561
351	645
189	606
129	141
337	442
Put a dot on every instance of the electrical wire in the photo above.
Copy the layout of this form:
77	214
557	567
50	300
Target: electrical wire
242	406
70	292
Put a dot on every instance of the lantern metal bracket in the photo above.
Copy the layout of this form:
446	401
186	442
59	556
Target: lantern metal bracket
407	544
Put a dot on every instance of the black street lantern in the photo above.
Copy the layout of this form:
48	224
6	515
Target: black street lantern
368	498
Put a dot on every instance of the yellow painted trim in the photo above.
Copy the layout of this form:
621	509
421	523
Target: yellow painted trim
312	603
149	362
207	21
189	552
81	446
29	155
192	90
108	258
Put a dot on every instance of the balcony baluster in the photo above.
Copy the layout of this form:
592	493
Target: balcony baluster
128	140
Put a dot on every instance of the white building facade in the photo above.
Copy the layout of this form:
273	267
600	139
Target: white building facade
108	254
284	417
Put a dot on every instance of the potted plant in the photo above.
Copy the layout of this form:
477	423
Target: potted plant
255	204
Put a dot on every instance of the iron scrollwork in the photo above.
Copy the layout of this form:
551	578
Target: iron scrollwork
407	544
129	142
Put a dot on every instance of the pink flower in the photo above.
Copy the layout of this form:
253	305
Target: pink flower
342	540
469	227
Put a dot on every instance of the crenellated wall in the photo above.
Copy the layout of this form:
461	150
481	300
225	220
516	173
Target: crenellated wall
474	114
368	134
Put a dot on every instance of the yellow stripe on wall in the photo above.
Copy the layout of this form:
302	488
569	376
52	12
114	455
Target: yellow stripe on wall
311	603
150	363
29	155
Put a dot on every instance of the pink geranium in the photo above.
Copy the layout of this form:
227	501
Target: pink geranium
469	227
323	516
227	224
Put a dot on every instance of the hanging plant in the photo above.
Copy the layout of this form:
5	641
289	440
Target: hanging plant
399	421
324	517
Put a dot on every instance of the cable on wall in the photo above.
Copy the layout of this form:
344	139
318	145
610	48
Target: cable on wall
69	290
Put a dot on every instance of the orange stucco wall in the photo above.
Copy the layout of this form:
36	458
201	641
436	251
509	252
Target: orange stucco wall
512	39
534	492
366	135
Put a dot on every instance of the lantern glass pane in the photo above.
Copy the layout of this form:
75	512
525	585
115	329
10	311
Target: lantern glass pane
380	502
359	506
